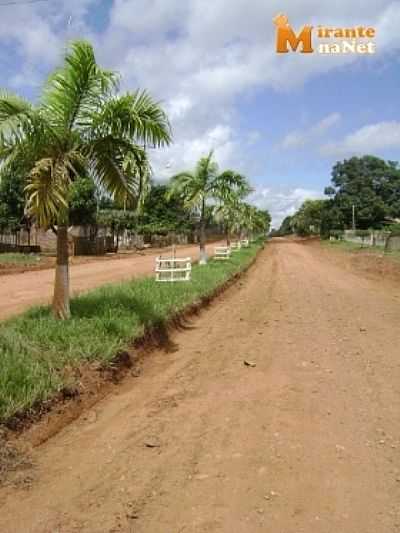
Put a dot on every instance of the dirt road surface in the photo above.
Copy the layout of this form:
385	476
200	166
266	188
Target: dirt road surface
19	291
307	441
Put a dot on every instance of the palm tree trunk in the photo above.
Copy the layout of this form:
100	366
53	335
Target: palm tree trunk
203	254
61	309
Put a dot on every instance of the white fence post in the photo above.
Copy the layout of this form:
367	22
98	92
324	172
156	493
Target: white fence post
222	252
173	269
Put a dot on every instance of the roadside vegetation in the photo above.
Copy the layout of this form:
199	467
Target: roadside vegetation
206	183
38	354
80	157
364	195
353	247
81	126
19	259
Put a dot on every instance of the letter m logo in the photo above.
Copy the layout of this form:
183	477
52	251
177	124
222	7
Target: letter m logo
287	38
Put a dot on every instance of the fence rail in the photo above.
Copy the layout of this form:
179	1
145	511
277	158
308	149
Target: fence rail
222	252
172	269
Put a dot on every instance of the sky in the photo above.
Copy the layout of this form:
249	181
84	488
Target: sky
282	120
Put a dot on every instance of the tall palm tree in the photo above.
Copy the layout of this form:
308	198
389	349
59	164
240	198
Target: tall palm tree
199	186
81	124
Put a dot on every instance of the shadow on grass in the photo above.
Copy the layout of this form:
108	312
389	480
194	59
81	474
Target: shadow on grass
102	303
138	310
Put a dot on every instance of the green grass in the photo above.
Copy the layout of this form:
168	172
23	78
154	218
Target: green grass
348	246
35	349
19	259
357	248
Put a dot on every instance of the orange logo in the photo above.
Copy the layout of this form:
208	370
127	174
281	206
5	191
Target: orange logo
285	36
355	40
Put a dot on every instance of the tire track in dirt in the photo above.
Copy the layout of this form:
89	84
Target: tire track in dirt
307	441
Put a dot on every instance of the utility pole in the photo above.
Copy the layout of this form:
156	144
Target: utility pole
354	217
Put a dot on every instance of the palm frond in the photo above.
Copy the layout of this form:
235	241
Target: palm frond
47	191
77	89
106	158
207	170
137	172
153	124
136	117
81	127
187	186
15	112
233	185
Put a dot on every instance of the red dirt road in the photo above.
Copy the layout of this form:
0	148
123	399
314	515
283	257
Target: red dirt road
307	441
19	291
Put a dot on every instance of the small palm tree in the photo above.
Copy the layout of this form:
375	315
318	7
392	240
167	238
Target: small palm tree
199	186
230	205
251	221
81	125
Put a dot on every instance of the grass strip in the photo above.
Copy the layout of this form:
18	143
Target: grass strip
348	246
19	259
35	349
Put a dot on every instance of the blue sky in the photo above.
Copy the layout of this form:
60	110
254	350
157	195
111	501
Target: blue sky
282	120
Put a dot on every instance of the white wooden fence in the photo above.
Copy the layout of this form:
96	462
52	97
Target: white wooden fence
235	246
244	243
173	269
222	252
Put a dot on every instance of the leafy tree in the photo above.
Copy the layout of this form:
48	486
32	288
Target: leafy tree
117	220
82	202
81	126
251	221
264	220
286	227
369	184
308	219
163	212
12	200
199	186
332	219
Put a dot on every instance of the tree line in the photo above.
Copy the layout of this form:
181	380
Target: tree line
364	194
81	156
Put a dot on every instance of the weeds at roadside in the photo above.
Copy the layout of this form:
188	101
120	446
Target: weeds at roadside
358	248
19	259
37	352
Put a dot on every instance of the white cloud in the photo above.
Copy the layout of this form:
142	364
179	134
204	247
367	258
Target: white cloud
200	56
368	139
299	138
184	153
146	18
387	28
253	137
178	107
284	202
38	34
196	56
